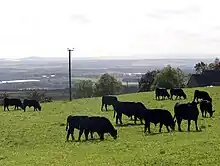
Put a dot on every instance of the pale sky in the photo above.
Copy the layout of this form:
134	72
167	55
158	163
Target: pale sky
100	28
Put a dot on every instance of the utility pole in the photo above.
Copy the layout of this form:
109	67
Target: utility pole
70	78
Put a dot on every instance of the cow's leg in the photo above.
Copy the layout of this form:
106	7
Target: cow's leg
161	125
101	136
80	134
119	117
189	121
86	133
179	124
147	125
205	113
135	119
102	107
24	108
176	97
141	121
106	107
70	131
91	134
15	107
168	130
196	125
7	108
67	136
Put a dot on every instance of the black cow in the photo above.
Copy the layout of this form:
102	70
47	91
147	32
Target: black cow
98	124
161	116
74	122
186	111
31	103
201	95
161	92
206	106
178	92
12	102
108	100
130	109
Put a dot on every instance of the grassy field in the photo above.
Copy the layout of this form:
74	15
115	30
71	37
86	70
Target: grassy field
38	138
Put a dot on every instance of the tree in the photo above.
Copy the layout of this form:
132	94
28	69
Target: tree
169	77
4	95
107	85
200	67
84	89
147	80
35	95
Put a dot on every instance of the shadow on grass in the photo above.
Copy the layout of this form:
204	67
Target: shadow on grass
90	140
128	124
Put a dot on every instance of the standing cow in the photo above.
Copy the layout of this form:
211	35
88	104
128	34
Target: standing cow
186	111
201	95
161	116
178	92
98	124
31	103
108	100
206	106
12	102
161	92
75	122
130	109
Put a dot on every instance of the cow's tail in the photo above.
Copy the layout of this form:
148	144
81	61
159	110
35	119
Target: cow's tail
67	123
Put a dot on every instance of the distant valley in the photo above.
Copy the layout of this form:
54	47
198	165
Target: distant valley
52	73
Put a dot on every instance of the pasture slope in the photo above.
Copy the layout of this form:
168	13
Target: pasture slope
38	138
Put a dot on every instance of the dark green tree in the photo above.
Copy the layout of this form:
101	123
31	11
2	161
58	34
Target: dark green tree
147	80
84	89
170	77
107	85
200	67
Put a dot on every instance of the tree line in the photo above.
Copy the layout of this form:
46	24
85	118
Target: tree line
168	77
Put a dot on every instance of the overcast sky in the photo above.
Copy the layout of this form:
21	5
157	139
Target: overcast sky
100	28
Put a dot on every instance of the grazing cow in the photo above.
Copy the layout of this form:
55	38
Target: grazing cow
12	102
186	111
130	109
108	100
161	92
178	92
31	103
98	124
74	122
201	95
161	116
206	106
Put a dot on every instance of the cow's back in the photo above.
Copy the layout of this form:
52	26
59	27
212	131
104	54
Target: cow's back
98	123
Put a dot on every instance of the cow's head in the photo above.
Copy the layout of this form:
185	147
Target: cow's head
39	107
114	133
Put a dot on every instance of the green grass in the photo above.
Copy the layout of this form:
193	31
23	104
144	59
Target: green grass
38	138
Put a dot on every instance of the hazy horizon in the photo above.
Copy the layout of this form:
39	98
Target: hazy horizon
110	58
186	29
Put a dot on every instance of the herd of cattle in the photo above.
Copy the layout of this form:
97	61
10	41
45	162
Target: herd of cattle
18	103
101	125
182	111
